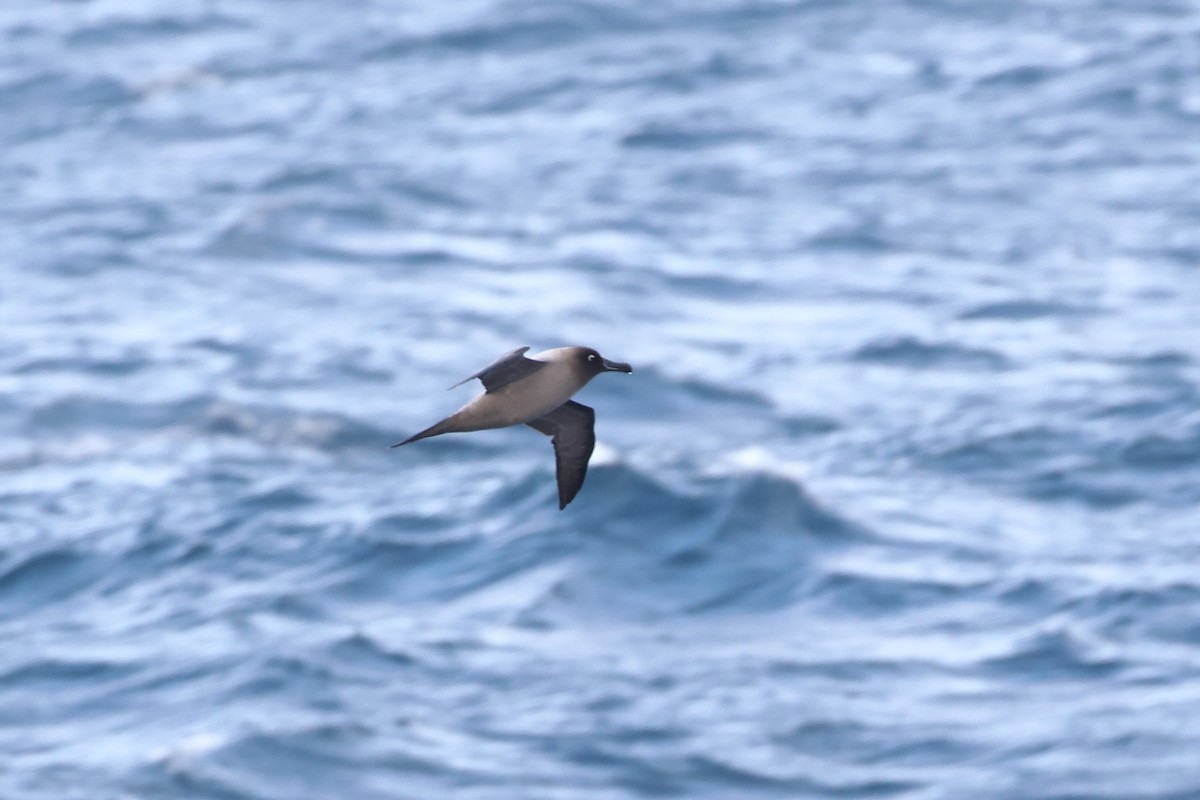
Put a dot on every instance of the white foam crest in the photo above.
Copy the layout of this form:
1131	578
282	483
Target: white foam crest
183	754
606	455
757	459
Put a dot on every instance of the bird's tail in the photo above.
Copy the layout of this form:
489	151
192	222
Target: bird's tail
445	426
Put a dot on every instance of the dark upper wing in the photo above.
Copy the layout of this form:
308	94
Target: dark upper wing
505	370
573	427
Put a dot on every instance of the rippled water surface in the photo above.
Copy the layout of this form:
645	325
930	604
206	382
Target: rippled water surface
899	502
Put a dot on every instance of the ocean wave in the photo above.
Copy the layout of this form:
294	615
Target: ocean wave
1022	310
913	353
207	417
724	545
44	578
1057	655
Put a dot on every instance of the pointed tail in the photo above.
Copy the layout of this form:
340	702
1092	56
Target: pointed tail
445	426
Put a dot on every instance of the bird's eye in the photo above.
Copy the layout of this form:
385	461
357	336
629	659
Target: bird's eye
592	357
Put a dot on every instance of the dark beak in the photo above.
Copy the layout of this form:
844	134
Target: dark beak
616	366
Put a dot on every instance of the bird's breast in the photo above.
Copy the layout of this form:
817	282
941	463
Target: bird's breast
540	393
520	402
516	403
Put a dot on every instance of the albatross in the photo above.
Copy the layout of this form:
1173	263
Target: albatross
536	391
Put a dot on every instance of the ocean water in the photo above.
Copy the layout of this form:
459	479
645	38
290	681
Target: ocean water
901	500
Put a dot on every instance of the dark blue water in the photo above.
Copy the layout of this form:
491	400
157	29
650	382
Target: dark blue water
901	500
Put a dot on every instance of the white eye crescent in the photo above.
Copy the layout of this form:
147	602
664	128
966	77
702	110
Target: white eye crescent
591	358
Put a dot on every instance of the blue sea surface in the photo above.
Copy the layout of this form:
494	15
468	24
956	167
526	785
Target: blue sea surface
902	499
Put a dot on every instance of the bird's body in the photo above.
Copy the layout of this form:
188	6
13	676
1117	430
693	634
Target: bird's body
537	391
518	402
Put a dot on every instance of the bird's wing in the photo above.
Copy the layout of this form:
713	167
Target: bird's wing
507	369
573	427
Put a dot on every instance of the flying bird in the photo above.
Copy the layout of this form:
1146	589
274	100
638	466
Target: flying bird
536	390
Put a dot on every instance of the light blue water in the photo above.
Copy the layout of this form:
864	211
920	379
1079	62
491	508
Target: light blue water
900	501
